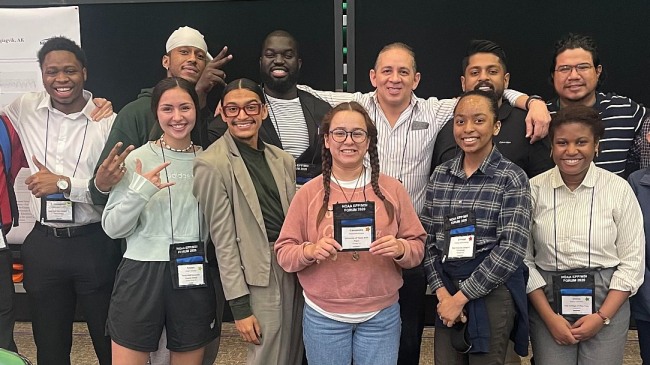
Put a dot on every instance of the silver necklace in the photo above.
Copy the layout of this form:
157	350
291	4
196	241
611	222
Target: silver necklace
163	144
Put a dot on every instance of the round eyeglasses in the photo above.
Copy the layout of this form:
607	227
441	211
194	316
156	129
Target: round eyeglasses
357	135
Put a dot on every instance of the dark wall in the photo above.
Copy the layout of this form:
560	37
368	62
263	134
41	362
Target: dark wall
125	42
440	30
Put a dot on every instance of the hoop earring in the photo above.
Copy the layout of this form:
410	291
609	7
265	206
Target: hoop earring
551	155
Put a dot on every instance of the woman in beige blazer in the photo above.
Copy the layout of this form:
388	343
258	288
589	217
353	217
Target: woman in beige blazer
245	187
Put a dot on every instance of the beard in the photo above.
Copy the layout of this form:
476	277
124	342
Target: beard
280	86
498	92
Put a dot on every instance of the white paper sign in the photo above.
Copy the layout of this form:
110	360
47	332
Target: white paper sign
22	35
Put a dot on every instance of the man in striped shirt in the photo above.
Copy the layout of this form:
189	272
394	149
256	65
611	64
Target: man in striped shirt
407	128
294	115
576	73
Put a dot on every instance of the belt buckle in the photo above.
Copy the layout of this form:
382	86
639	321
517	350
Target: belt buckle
67	231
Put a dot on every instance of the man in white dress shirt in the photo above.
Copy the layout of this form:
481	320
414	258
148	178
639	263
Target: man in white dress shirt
67	256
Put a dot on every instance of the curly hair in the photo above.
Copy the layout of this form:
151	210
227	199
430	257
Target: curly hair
372	152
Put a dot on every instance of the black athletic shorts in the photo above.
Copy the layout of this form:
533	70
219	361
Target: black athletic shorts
144	301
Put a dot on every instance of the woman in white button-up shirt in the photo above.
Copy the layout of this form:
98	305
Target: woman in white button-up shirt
586	223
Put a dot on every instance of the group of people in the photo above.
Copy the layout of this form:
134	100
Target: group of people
321	217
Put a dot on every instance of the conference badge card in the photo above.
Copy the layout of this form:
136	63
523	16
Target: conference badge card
354	225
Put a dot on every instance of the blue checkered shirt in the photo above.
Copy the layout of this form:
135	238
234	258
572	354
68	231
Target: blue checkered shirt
500	195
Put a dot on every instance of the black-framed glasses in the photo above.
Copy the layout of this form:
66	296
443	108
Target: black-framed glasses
250	109
580	68
357	135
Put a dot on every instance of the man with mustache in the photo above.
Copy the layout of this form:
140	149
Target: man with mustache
294	115
484	68
576	73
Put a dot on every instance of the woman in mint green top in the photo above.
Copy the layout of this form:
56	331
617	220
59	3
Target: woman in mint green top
162	281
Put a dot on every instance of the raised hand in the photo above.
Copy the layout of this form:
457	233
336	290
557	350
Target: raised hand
212	75
154	174
112	170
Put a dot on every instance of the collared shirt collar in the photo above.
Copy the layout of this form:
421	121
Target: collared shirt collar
589	181
88	108
488	167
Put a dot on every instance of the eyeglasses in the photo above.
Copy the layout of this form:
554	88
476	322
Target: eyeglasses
581	68
357	135
250	110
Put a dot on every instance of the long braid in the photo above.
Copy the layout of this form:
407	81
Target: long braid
327	174
374	177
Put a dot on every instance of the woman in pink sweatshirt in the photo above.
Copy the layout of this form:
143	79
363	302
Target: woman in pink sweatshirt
348	234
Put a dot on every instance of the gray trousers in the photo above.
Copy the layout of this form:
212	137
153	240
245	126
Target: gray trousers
605	348
501	315
278	309
161	357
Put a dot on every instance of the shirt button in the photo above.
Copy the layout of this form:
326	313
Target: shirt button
238	240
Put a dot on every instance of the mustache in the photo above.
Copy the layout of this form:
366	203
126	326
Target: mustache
484	84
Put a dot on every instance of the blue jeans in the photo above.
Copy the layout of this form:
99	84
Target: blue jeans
330	342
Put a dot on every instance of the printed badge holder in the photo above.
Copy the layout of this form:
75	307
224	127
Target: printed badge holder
354	215
306	172
574	294
57	205
186	259
460	229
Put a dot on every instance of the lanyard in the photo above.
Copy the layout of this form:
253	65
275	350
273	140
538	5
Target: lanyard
83	141
591	211
171	218
406	142
363	172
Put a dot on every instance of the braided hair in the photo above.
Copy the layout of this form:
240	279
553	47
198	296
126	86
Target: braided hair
372	152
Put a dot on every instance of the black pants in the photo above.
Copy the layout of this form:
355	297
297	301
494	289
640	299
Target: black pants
58	273
6	302
412	301
644	340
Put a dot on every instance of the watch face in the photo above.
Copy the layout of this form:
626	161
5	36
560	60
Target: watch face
62	184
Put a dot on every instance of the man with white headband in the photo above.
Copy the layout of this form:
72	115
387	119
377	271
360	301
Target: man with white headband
186	57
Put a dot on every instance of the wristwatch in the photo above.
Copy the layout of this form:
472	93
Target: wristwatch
62	184
606	320
531	99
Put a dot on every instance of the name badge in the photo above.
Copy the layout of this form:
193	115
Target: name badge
187	264
354	225
306	172
460	239
574	294
56	208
